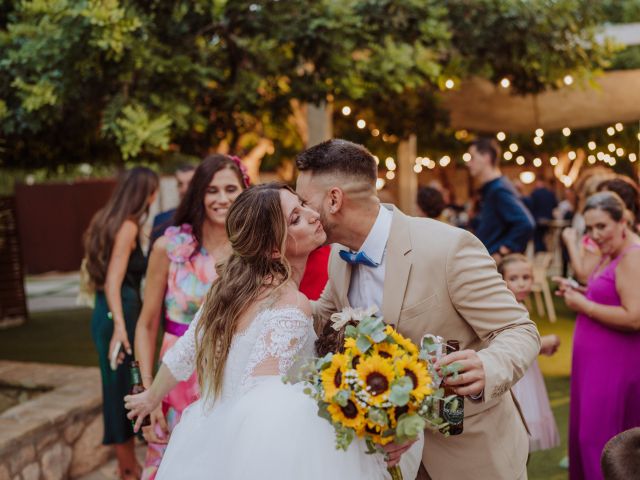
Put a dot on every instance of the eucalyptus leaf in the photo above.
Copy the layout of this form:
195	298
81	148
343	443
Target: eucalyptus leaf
341	398
409	427
350	331
363	343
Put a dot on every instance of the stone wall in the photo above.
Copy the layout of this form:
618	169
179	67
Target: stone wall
57	435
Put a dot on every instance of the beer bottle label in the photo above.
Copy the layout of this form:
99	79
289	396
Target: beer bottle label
453	416
135	377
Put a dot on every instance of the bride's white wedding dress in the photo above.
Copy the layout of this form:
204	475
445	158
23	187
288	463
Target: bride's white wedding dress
260	427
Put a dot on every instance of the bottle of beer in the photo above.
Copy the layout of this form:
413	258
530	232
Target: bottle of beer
137	387
452	411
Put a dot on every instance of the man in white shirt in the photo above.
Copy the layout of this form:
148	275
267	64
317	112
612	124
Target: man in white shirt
426	277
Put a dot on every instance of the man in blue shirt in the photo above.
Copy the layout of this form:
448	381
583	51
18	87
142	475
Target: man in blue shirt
504	224
542	203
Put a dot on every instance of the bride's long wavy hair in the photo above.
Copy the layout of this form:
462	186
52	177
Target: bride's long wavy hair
257	230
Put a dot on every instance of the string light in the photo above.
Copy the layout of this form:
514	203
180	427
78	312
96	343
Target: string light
553	161
390	175
537	162
513	147
520	160
539	132
380	183
375	132
431	165
505	82
592	145
612	147
601	156
466	157
612	162
611	131
507	155
632	157
591	159
619	127
426	161
620	151
537	140
572	155
444	161
527	177
568	79
390	163
417	168
501	136
449	84
566	131
346	111
361	124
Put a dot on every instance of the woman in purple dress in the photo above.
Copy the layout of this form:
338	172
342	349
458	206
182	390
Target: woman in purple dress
605	380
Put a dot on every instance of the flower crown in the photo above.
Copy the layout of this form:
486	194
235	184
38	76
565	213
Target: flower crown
243	170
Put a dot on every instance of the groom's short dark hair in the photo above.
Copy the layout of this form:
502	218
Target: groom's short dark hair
339	156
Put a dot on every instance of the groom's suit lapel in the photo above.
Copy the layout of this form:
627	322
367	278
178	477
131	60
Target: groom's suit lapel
397	268
342	277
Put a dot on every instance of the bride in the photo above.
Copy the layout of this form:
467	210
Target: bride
254	327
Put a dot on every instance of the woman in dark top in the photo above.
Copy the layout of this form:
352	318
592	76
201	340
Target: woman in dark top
115	265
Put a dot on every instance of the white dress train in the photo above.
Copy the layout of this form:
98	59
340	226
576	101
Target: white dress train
260	427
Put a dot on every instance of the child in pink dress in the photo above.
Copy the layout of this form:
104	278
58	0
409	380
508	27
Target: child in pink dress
530	391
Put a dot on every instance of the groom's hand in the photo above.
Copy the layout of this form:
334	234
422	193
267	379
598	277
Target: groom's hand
470	380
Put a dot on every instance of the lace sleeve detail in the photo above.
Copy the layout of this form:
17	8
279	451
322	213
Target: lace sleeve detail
284	334
180	359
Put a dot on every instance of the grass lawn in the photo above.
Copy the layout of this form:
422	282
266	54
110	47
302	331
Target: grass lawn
65	337
59	336
556	370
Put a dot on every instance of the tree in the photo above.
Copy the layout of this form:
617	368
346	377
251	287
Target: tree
113	80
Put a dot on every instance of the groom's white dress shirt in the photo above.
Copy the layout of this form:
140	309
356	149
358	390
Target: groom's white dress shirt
366	285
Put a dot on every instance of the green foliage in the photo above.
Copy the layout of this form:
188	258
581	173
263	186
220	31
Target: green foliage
134	130
104	81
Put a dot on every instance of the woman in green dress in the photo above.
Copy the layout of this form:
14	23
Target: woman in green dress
115	265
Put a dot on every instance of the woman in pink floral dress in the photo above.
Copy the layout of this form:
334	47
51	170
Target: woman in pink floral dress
182	267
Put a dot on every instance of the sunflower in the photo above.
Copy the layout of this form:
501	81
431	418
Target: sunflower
377	375
350	344
417	372
403	342
386	349
333	377
374	432
350	415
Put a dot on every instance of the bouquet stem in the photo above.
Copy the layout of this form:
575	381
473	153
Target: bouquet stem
396	473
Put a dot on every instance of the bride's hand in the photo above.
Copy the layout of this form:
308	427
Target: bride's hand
158	431
140	406
394	451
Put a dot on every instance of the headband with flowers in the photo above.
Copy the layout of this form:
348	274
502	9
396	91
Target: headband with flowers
243	170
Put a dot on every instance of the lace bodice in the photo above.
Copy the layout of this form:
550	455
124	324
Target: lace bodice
270	345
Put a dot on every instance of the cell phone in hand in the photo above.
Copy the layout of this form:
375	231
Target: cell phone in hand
113	358
572	283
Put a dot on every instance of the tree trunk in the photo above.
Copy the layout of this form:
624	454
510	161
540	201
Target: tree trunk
407	178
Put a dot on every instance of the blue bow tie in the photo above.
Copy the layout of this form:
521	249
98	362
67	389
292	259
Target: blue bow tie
357	258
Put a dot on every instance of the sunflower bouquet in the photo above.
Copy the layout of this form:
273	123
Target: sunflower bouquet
375	383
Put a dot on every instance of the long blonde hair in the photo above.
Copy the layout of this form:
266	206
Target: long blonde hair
257	231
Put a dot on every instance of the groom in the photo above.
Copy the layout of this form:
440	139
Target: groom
426	277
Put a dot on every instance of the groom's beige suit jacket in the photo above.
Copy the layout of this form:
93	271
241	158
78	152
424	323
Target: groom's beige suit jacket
441	280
